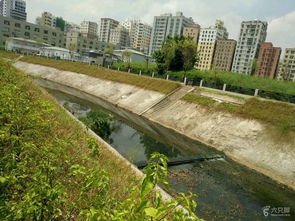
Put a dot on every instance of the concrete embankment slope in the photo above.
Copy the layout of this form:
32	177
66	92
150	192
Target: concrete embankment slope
243	140
127	96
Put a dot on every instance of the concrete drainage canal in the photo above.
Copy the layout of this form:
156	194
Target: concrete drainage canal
225	190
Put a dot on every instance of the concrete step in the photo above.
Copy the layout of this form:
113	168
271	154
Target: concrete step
169	100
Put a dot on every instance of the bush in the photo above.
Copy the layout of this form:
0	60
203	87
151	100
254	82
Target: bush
137	66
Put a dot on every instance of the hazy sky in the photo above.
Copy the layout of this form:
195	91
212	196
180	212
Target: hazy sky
280	14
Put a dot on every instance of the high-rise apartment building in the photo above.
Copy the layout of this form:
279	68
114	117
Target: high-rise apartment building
224	54
140	34
287	67
15	9
268	60
167	25
206	45
106	24
252	34
193	32
120	36
88	29
47	19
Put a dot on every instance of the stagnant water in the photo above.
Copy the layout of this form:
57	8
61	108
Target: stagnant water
225	190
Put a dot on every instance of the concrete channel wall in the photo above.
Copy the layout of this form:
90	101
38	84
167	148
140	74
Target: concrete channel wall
245	141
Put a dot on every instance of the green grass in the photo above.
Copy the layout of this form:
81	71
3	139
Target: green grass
279	115
220	93
243	80
229	78
9	55
148	83
207	101
57	132
137	66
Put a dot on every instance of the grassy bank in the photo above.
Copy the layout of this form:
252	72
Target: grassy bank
148	83
139	66
9	55
50	169
242	80
280	116
229	78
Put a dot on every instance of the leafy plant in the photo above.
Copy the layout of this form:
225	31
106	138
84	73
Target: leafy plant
149	205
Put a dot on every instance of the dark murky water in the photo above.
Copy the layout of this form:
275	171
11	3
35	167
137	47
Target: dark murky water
225	189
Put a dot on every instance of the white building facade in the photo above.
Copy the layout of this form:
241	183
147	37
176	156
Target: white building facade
252	34
120	36
287	67
88	29
167	25
23	46
140	34
206	45
13	8
106	25
55	52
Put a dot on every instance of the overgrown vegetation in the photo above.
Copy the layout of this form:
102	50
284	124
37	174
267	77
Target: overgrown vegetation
279	115
242	80
50	169
176	54
137	66
9	55
229	78
154	84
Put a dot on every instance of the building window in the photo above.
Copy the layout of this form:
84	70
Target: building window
37	30
17	25
6	22
28	27
45	31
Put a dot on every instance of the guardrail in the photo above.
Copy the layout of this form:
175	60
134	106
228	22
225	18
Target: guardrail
215	85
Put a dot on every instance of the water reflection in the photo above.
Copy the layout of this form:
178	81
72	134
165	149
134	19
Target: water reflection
134	145
151	145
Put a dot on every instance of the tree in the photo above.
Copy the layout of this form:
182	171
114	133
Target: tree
177	53
253	65
60	23
169	50
72	47
109	50
126	57
189	51
160	61
39	40
147	59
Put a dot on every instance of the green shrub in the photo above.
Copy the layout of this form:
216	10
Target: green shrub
137	66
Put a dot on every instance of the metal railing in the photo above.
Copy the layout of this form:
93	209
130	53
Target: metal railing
215	85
